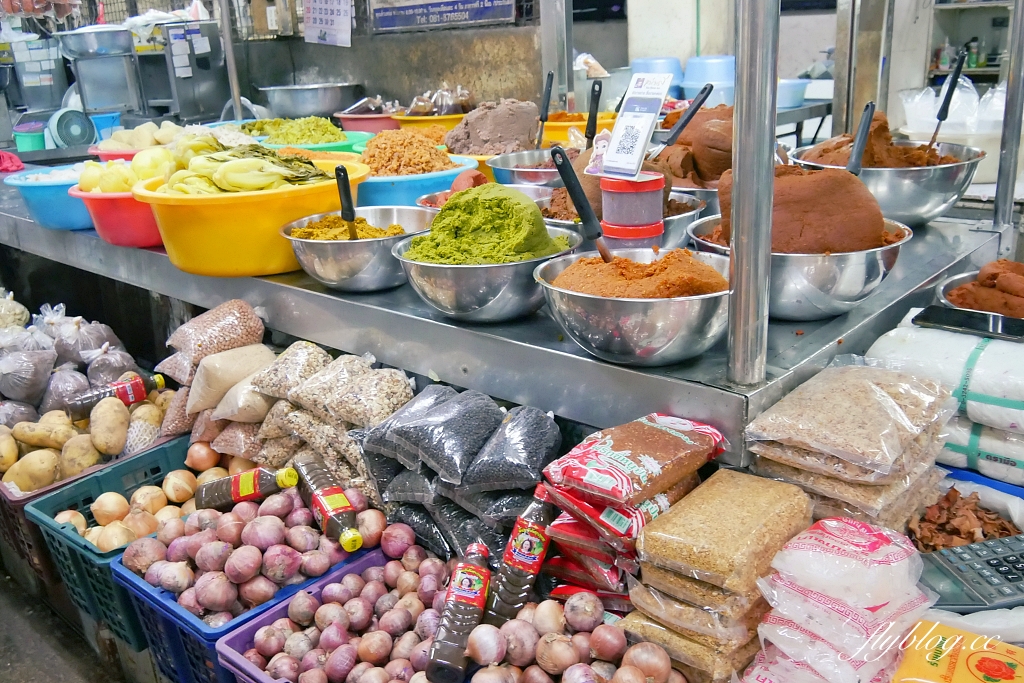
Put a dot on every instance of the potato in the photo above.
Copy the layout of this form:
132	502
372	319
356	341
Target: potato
78	454
135	406
43	435
148	413
153	396
123	136
8	451
131	374
4	429
34	471
55	417
109	426
164	399
24	449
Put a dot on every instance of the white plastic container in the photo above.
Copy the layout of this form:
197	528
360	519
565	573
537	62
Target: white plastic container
632	236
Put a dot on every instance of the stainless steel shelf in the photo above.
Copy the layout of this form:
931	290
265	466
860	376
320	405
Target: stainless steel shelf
972	5
529	361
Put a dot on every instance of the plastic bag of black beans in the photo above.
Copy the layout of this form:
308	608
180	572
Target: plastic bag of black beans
424	526
516	454
411	487
497	509
461	529
376	438
449	436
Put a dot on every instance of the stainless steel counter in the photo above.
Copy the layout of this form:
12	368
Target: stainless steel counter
529	361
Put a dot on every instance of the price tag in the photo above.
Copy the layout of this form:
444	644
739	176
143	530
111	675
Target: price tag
634	126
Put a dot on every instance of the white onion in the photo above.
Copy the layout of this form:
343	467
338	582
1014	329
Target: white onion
149	498
114	535
179	486
549	618
486	645
109	507
74	518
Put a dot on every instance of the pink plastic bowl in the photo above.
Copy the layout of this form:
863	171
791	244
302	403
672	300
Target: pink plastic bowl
368	123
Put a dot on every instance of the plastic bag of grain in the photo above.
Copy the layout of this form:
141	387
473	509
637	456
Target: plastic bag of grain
24	375
515	455
232	324
207	429
177	367
65	383
921	494
79	335
13	412
238	439
699	620
243	403
274	425
371	398
315	393
218	372
724	605
176	419
106	364
276	452
295	365
377	439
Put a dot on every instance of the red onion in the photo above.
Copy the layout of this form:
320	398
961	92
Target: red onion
247	510
555	653
243	563
237	608
628	674
581	641
372	591
334	551
197	541
357	499
607	643
187	599
315	563
408	582
276	505
298	644
521	640
256	591
354	641
486	645
419	677
584	611
360	612
375	647
207	519
263	532
269	641
403	647
494	674
399	669
217	619
427	589
548	618
191	524
604	670
535	674
421	654
213	556
170	529
331	613
426	623
371	525
333	636
676	677
437	604
314	635
302	538
373	574
392	570
154	572
339	663
293	493
410	602
396	622
432	567
284	666
384	604
176	577
177	550
143	552
280	562
396	539
214	591
299	517
527	612
357	672
354	583
255	658
375	675
579	673
412	557
314	659
651	659
313	676
302	607
336	592
229	528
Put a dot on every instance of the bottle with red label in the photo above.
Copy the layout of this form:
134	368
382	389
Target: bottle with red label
130	392
463	608
325	497
523	558
255	484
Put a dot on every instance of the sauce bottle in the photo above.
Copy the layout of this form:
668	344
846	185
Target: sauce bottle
255	484
523	558
129	391
326	499
463	608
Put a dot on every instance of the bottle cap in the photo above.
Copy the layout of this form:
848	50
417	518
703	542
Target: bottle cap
287	477
160	383
351	540
479	549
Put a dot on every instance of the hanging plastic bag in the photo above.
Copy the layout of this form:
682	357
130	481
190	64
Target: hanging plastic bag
106	364
25	374
65	383
78	336
13	412
50	319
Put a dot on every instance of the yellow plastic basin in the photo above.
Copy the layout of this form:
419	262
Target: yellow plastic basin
558	132
449	121
481	159
357	172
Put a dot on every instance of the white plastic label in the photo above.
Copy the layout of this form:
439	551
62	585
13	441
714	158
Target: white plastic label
635	125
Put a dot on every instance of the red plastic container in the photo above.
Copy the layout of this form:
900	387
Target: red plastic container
110	155
367	123
120	219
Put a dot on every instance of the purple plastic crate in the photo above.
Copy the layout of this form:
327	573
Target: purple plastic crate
231	646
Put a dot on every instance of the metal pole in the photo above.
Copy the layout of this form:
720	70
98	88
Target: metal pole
229	57
1012	114
753	172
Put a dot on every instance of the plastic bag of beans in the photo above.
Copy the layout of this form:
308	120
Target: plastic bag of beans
232	324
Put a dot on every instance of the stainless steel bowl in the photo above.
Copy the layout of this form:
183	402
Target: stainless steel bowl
506	173
816	286
363	265
100	40
538	193
675	226
707	195
951	283
641	332
915	196
485	293
316	99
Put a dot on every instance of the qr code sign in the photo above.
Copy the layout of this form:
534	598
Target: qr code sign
628	140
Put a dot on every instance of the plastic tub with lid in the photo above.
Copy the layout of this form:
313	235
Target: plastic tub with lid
719	70
632	236
633	202
29	137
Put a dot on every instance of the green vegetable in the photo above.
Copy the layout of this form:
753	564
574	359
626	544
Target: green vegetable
245	168
311	130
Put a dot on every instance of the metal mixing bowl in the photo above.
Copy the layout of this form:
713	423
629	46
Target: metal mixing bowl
708	195
315	99
951	283
484	293
363	265
96	41
915	196
506	173
675	226
816	286
640	332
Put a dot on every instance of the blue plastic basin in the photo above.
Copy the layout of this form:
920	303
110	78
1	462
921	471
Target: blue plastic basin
48	201
791	92
403	190
710	69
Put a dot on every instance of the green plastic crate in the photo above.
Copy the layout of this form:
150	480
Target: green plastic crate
84	569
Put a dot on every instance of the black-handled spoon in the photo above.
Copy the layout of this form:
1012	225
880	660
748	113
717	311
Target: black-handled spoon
622	99
590	227
860	140
544	105
348	209
953	80
683	121
595	102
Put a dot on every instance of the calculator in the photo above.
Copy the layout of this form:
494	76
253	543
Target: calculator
980	576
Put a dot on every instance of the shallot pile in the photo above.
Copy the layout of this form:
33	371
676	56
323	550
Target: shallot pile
221	564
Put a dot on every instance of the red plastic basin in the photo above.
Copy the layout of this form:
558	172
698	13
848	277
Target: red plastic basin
120	219
111	155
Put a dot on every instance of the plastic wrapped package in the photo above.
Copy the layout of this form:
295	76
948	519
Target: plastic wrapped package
50	319
517	452
995	453
376	438
12	313
106	364
715	663
295	365
411	487
455	525
176	420
845	626
699	622
636	461
603	575
177	367
275	424
217	373
243	403
13	412
424	526
566	531
232	324
565	568
498	509
371	398
379	470
316	392
65	383
78	335
276	452
727	530
614	602
772	666
238	439
24	375
922	493
864	415
861	564
23	339
329	441
725	605
450	435
206	429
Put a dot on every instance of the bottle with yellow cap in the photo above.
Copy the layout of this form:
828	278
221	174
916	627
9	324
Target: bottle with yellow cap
256	484
325	496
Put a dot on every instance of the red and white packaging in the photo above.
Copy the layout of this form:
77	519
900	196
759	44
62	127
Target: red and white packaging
772	666
604	575
857	563
615	602
569	570
569	532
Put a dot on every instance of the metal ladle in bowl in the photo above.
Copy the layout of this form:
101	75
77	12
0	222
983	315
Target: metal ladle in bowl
943	113
595	101
860	140
348	209
590	227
